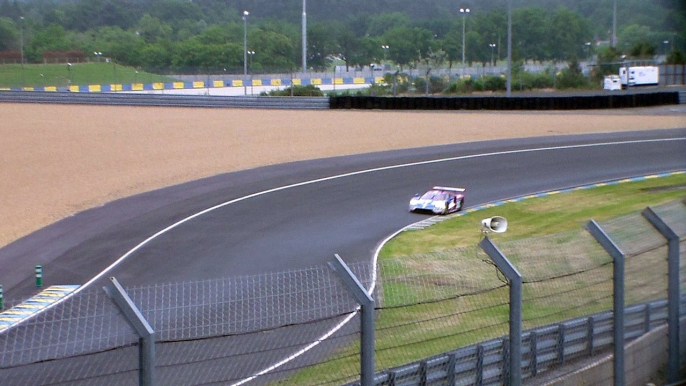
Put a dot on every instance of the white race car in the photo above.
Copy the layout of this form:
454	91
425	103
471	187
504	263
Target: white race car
438	200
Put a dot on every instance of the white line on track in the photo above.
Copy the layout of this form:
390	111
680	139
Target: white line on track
310	182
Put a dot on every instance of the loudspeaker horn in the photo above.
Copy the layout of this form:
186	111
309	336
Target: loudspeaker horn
494	224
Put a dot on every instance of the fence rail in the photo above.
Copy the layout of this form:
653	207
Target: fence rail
544	348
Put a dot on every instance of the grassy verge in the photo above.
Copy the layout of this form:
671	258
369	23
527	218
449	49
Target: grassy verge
542	216
61	75
419	270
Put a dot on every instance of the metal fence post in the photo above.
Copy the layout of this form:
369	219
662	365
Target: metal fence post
146	342
367	315
672	291
515	280
618	298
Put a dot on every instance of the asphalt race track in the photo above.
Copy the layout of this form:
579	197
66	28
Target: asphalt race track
306	225
299	215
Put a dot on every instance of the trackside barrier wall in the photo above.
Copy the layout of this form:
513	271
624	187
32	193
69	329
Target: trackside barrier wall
353	102
446	319
503	103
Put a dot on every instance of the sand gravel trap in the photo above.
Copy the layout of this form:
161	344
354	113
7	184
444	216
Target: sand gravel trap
60	159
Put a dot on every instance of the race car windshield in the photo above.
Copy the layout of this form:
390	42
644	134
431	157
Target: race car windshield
434	195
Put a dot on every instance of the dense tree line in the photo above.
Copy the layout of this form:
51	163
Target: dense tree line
208	34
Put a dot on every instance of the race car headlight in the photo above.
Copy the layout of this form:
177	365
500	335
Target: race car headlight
439	204
413	201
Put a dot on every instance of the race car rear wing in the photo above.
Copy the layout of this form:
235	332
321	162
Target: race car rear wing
449	189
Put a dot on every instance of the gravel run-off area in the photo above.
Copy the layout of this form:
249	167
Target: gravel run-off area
58	160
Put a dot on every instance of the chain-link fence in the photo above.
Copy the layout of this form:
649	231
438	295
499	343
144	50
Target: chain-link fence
439	318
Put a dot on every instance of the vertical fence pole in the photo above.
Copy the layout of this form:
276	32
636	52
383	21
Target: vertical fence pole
618	298
479	376
515	280
146	341
450	371
39	276
367	317
672	291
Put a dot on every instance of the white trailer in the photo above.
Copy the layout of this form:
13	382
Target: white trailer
612	83
639	76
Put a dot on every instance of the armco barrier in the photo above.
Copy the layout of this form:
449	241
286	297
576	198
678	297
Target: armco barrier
294	103
544	349
581	102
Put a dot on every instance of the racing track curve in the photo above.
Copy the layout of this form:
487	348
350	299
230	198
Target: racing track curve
306	224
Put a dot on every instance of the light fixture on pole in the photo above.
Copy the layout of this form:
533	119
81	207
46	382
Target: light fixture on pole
245	42
385	49
666	42
464	12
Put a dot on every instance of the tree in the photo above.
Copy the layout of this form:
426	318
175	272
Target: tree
51	38
320	45
643	50
401	49
122	46
9	34
634	35
152	30
478	50
566	33
452	45
530	31
272	50
347	43
379	24
156	56
676	57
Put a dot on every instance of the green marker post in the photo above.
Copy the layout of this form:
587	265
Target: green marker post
39	276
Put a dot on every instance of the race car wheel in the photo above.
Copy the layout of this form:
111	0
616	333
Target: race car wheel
461	204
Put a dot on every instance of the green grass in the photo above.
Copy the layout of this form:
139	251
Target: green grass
81	74
420	271
541	216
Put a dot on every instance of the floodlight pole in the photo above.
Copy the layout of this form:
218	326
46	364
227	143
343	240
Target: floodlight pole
509	49
613	43
464	12
304	33
245	42
22	41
